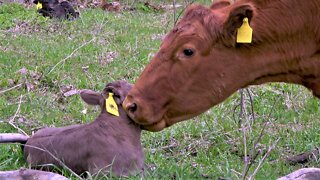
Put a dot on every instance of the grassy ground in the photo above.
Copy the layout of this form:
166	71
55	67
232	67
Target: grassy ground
43	58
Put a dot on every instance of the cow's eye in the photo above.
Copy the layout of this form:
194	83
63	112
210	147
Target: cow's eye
188	52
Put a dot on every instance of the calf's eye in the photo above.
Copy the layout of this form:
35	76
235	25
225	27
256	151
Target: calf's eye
188	52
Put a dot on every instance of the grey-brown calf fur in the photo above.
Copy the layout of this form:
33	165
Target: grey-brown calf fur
108	142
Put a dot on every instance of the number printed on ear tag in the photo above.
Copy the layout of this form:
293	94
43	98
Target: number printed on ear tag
111	105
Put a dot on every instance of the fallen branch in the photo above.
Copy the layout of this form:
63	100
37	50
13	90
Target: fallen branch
12	137
304	173
30	174
303	157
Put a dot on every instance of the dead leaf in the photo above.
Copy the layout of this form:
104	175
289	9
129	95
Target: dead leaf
153	7
111	6
84	111
85	68
66	88
36	75
21	119
194	164
23	71
168	7
157	37
109	57
11	82
29	86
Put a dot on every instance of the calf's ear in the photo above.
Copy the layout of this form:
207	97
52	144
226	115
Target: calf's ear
90	97
220	4
235	18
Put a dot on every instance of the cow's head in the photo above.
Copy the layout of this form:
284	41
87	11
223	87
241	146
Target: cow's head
196	67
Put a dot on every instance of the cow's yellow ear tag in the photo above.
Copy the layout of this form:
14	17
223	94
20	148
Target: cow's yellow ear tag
244	34
111	105
39	5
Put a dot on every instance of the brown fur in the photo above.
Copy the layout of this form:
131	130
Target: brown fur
107	143
285	48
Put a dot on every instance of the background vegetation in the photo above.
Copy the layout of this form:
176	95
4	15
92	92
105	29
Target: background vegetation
42	59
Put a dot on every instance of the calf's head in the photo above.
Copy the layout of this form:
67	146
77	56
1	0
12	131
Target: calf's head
119	89
196	67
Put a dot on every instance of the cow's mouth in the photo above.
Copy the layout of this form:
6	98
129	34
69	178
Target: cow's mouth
156	126
165	122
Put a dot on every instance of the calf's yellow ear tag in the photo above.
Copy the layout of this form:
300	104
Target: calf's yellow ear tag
244	34
39	5
111	105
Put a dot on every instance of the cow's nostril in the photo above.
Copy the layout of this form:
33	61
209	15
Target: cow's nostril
132	107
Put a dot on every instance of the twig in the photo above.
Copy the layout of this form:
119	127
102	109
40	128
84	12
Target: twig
164	147
15	115
246	159
70	55
242	104
177	17
263	159
236	172
17	111
251	102
174	12
101	170
14	87
252	155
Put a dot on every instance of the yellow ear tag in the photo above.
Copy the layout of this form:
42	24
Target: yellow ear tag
111	105
39	5
244	34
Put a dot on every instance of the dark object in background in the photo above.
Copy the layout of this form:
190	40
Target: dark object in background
54	9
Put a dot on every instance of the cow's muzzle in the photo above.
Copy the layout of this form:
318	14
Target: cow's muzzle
143	115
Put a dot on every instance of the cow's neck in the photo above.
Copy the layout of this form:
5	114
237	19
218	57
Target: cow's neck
286	48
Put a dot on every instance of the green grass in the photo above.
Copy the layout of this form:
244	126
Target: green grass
209	146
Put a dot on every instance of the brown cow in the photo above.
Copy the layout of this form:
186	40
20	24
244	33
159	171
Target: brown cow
109	143
199	63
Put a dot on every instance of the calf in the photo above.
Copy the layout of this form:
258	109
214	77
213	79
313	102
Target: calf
110	143
54	9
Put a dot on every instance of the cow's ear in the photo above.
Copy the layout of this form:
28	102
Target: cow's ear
90	97
220	4
235	18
